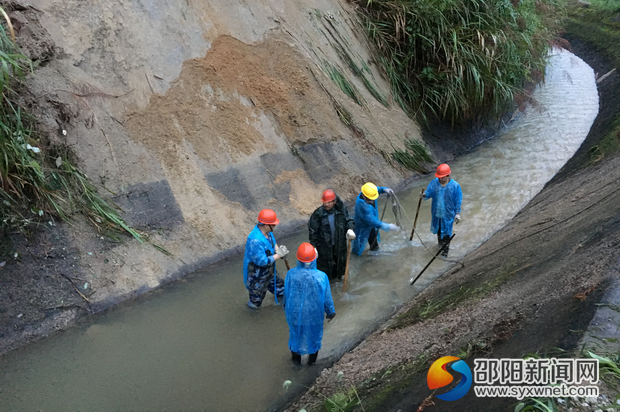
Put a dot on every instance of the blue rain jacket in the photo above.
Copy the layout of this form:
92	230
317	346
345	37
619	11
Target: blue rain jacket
308	299
259	251
366	218
446	204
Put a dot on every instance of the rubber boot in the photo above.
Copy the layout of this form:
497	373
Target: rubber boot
446	249
312	358
296	357
372	240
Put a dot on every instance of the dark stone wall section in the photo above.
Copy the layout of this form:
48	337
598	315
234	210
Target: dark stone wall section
321	160
234	185
253	186
275	163
150	205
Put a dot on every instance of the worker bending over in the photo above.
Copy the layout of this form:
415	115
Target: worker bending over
366	218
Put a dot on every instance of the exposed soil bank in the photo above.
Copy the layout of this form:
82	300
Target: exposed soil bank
532	287
195	122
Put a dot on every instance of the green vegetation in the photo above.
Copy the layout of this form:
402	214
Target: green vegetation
609	368
599	27
343	401
609	371
37	182
458	59
356	64
428	309
341	81
605	5
359	72
538	404
474	347
415	158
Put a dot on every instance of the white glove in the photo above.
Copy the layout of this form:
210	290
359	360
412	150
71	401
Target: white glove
350	234
317	253
457	218
422	194
392	227
389	191
281	251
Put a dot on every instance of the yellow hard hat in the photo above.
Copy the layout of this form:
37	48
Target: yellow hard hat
370	191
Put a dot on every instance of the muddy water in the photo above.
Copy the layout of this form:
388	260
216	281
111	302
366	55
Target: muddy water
194	345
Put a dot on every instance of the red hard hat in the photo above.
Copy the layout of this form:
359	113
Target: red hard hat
442	170
268	217
328	195
306	252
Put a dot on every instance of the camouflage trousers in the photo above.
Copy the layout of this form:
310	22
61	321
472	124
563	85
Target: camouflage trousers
261	280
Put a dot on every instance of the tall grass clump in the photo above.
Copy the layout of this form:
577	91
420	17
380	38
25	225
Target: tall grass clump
342	47
458	59
415	158
39	183
342	82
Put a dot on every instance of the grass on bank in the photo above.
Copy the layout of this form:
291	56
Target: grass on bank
460	59
609	372
599	27
416	157
39	183
357	65
347	87
430	308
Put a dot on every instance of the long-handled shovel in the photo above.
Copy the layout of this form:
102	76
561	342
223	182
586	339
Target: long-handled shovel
415	221
346	268
429	263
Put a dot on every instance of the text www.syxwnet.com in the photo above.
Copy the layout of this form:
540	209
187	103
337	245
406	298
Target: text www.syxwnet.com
520	392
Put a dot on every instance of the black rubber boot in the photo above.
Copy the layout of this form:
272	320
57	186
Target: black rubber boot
372	239
446	249
312	358
296	357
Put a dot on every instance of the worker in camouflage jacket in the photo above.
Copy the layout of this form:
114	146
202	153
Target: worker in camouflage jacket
330	227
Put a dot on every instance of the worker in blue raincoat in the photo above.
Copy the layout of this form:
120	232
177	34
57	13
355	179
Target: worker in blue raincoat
308	300
366	219
259	267
446	208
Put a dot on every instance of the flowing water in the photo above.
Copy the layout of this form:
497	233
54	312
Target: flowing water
194	345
